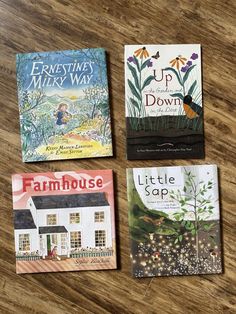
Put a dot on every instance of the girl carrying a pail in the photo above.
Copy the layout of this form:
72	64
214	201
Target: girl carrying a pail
62	116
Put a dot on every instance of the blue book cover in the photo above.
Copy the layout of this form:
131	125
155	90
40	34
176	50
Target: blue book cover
63	104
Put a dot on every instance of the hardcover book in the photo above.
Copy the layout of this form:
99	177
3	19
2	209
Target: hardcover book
63	105
163	96
174	221
64	221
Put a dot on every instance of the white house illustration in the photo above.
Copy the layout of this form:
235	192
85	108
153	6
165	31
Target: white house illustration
69	223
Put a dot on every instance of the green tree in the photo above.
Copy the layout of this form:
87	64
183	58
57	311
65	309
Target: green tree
104	108
192	199
95	95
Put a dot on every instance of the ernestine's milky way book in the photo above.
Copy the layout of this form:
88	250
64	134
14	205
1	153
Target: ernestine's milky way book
63	104
163	96
174	221
64	221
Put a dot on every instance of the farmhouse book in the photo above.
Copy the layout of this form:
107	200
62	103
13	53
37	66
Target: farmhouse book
174	221
63	105
163	96
64	221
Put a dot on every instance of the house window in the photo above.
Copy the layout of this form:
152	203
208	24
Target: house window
63	241
75	239
99	216
51	219
74	218
24	242
100	238
54	239
41	243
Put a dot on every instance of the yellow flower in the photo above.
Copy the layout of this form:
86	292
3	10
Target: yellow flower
176	62
141	52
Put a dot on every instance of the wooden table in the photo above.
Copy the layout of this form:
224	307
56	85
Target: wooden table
56	25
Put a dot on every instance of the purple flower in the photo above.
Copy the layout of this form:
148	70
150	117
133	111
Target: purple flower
184	69
130	59
149	63
189	63
194	56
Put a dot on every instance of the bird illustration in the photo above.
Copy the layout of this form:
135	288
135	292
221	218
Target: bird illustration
191	109
147	219
156	222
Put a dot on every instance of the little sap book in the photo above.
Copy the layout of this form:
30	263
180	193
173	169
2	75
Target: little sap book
64	221
163	97
63	104
174	220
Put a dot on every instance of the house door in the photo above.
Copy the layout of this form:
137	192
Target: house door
49	247
52	242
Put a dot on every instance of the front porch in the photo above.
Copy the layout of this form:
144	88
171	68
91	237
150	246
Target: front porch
53	242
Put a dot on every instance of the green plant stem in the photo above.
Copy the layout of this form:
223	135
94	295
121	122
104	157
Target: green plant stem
140	90
182	82
196	226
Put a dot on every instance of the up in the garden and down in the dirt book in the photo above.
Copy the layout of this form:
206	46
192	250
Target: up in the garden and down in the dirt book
174	221
163	96
63	104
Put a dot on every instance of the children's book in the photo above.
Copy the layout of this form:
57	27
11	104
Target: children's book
64	221
163	96
63	104
174	221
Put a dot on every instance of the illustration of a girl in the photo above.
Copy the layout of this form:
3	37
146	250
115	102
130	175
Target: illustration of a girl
54	254
62	116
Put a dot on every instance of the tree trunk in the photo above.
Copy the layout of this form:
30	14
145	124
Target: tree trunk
197	249
196	227
104	129
92	114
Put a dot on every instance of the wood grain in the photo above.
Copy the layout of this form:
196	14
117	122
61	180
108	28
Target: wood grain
27	26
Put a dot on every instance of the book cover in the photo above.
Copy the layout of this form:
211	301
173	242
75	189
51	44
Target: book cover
64	221
63	104
163	96
174	221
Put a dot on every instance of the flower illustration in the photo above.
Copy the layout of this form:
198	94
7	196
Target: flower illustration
141	53
184	69
149	64
130	59
176	62
194	56
189	63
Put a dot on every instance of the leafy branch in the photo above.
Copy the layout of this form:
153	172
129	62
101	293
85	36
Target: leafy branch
193	201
